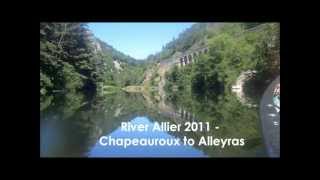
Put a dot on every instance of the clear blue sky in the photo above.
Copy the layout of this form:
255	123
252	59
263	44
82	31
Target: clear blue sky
138	40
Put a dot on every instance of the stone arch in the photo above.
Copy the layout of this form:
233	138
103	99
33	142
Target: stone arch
190	58
195	55
181	61
185	60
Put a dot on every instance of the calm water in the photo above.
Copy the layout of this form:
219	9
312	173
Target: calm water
71	126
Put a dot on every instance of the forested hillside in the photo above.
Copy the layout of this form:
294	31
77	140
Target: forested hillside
195	35
73	59
119	69
211	75
233	48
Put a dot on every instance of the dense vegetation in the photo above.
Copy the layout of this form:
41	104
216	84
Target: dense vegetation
66	58
119	69
233	48
73	60
195	35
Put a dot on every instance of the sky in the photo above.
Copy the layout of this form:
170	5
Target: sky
138	40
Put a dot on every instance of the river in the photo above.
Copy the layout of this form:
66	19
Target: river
71	125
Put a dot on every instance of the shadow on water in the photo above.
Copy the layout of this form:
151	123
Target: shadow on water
71	125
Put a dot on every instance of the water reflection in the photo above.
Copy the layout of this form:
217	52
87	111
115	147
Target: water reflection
71	126
99	150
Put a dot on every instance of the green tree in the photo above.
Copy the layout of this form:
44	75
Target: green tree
66	58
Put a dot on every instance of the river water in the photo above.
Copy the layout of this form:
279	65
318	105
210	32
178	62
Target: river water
72	126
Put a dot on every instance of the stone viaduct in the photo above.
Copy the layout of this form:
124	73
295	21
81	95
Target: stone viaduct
190	57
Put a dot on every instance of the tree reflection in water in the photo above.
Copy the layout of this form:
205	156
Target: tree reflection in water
71	125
